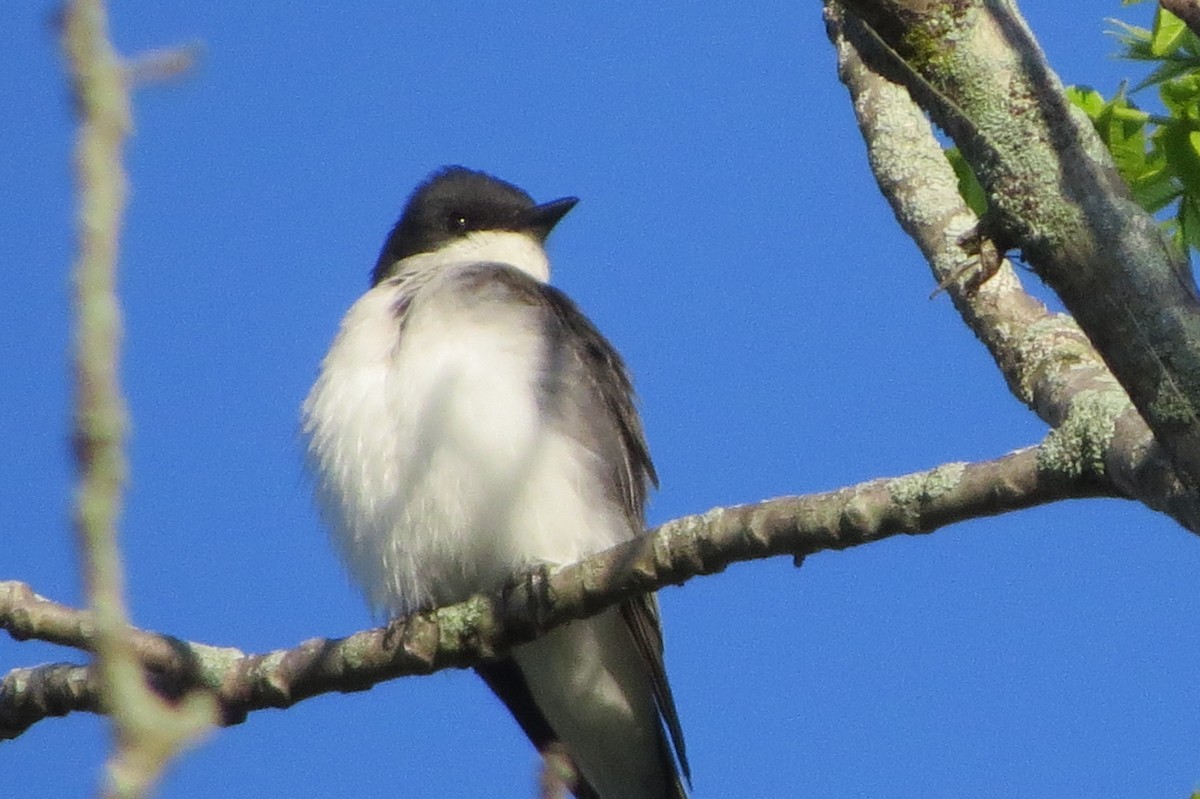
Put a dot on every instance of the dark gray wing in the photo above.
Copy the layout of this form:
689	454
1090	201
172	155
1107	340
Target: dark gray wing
641	614
587	386
507	681
587	391
586	357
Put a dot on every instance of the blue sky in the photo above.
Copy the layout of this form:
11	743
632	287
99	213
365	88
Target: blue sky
732	244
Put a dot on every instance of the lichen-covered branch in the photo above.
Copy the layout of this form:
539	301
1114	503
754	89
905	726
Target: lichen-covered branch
147	730
1046	360
976	69
487	625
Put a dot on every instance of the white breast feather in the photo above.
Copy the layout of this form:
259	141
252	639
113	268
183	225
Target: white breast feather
437	473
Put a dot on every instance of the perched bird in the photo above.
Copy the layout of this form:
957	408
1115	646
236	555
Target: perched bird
469	423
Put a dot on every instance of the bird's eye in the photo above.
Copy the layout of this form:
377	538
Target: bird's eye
458	222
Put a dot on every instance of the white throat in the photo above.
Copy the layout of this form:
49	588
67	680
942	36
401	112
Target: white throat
518	250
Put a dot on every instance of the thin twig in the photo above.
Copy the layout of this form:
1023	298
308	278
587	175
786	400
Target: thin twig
484	626
148	731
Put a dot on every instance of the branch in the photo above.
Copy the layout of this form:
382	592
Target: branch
1054	193
1047	361
486	626
147	730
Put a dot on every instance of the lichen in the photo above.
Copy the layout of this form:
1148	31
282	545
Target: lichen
1077	446
926	486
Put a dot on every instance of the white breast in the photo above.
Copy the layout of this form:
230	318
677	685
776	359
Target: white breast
438	476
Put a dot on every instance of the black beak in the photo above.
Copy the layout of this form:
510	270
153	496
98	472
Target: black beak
543	218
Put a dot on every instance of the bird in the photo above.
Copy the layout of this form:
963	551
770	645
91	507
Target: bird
469	422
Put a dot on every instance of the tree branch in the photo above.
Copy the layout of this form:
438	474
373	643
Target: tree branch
148	732
486	626
1045	358
1053	192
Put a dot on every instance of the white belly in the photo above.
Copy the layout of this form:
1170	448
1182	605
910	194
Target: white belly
439	474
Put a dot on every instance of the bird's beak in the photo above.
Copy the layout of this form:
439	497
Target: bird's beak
543	218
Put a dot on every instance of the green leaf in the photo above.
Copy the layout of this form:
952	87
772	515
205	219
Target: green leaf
1168	70
1189	223
968	185
1182	159
1121	126
1086	98
1134	40
1155	189
1168	30
1157	154
1181	95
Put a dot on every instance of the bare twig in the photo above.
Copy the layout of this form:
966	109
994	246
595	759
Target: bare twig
147	730
163	64
487	625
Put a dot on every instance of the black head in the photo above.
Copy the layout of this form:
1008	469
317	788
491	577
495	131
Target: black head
455	202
